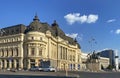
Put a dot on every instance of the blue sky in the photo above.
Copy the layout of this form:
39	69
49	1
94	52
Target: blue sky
84	19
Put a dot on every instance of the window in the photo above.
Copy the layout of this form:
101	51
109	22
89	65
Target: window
74	66
7	52
32	51
40	51
61	51
32	60
40	38
32	38
70	57
16	51
73	58
12	52
2	52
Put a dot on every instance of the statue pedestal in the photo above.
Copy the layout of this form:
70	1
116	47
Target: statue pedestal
93	65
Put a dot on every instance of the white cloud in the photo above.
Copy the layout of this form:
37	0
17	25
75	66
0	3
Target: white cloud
75	35
92	18
75	17
111	20
72	35
117	31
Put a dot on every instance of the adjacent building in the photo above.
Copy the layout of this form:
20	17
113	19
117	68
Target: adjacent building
28	46
104	62
109	53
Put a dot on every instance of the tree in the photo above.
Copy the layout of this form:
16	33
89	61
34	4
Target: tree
110	67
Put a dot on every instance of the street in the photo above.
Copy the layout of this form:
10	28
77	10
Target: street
61	74
98	74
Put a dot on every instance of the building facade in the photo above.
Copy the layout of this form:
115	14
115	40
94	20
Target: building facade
28	46
104	62
108	54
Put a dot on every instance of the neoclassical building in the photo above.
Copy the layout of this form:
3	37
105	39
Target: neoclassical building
27	46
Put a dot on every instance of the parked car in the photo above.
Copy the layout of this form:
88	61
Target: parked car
51	69
36	68
13	70
8	69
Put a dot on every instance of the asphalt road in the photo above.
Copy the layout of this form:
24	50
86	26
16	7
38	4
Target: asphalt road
62	74
98	74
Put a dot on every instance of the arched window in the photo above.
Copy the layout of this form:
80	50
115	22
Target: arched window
7	63
7	52
17	63
17	52
12	52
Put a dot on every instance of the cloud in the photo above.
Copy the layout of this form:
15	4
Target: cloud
75	35
111	20
72	35
71	18
117	31
92	18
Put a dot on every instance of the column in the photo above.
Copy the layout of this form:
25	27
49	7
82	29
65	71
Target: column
20	63
10	64
5	64
28	64
15	63
49	48
1	64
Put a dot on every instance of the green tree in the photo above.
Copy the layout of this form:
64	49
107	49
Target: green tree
110	67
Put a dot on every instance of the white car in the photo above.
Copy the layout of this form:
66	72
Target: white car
36	68
51	69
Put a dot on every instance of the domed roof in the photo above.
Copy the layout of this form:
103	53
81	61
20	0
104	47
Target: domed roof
36	25
57	30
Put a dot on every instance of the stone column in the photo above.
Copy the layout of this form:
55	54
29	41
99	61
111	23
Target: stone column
5	64
49	48
20	63
28	60
20	49
15	63
1	64
10	64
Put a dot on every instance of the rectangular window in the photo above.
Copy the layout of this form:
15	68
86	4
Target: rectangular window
32	38
16	51
32	51
7	52
73	58
70	57
2	52
40	52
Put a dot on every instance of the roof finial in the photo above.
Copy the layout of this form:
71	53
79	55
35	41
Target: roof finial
54	23
36	17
